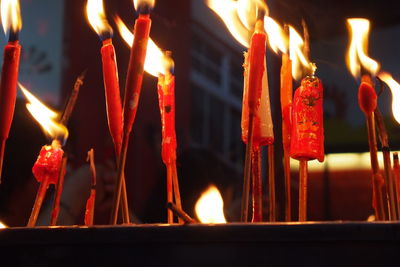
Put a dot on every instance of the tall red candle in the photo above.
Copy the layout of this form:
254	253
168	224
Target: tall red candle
11	20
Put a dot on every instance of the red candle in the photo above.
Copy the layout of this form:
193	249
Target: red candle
307	140
8	92
112	93
46	171
134	78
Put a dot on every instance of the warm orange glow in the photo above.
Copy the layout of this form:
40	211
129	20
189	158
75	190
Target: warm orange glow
97	18
154	63
210	206
46	117
2	225
149	3
299	60
357	52
10	15
395	89
278	40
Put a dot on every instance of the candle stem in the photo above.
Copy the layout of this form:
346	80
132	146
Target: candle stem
271	176
303	177
38	201
58	192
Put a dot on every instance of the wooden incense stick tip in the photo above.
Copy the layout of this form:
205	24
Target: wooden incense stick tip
367	98
180	213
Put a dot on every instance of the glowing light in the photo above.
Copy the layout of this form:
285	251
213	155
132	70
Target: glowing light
46	117
10	15
2	225
210	206
299	60
154	63
278	40
357	51
395	89
138	3
97	18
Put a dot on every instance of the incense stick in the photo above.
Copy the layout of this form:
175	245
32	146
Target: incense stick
303	177
177	193
58	192
69	107
271	184
389	181
90	204
247	171
180	213
38	201
169	193
288	198
257	184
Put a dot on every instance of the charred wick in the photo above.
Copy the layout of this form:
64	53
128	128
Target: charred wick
14	35
144	9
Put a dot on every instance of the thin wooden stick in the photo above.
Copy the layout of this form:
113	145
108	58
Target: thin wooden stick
396	177
38	201
303	177
257	184
177	193
247	171
389	180
271	184
2	148
180	213
58	192
90	204
69	107
288	198
377	184
169	193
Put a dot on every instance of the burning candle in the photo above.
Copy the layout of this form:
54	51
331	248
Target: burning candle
11	20
248	29
278	41
97	19
47	166
161	65
360	64
210	206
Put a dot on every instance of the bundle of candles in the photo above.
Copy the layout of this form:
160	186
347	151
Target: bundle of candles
302	113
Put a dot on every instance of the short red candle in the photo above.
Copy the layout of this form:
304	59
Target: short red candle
307	140
48	163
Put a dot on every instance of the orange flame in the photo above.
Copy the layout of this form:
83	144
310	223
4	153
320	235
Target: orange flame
278	40
11	15
149	3
357	52
2	225
299	60
46	117
395	89
154	63
210	206
238	16
97	18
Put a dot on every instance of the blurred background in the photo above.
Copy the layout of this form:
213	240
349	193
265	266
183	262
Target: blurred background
58	44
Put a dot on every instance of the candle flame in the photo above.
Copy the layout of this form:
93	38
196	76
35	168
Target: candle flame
97	18
278	40
299	60
46	117
395	89
154	63
2	225
210	206
147	3
357	52
11	15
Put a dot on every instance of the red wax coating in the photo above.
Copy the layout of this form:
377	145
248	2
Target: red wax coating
166	100
367	99
89	212
263	133
256	69
48	164
112	93
134	78
307	140
8	86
